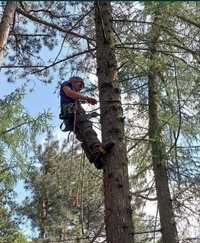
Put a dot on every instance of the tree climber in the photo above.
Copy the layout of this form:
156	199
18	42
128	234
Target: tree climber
76	120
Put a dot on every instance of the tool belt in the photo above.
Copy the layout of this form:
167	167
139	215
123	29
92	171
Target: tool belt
67	110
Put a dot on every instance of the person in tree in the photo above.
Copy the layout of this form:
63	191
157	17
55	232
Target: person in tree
76	120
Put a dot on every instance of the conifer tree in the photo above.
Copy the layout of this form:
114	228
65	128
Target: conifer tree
118	213
6	24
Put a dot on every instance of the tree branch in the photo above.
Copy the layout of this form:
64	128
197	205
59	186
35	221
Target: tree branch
77	22
15	127
63	60
54	26
97	233
189	21
21	66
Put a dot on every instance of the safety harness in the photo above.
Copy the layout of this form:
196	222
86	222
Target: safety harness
68	115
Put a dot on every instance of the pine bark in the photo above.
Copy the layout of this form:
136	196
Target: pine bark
5	25
118	214
158	151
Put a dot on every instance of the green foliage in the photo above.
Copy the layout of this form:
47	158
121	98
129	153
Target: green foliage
18	127
9	232
17	131
66	193
178	69
177	62
20	238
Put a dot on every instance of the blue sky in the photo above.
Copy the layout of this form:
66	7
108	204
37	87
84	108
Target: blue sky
42	98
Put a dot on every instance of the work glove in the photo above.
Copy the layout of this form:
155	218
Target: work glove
91	101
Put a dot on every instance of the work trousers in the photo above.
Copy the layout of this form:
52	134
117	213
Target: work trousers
85	133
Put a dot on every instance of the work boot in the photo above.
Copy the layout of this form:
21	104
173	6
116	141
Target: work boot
101	151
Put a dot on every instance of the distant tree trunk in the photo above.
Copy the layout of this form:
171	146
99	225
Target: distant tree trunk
5	25
44	219
118	214
158	151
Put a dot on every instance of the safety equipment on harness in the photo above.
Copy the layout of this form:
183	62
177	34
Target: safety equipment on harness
66	126
66	109
67	115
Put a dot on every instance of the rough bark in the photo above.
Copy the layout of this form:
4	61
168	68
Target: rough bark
158	151
5	25
118	214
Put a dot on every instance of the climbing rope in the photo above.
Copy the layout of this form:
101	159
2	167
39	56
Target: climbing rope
72	148
74	129
82	190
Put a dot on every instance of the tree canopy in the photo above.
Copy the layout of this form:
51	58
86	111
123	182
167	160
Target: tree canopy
145	56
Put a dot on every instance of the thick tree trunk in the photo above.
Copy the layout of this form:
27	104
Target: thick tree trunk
159	157
5	25
118	215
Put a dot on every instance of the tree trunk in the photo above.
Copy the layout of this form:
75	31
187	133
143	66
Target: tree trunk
158	151
118	214
5	25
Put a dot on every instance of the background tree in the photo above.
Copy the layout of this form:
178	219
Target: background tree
6	24
170	48
118	213
17	131
62	27
67	194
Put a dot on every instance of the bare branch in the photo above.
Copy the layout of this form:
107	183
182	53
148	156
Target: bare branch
78	21
15	127
51	25
179	109
97	233
22	66
138	141
64	59
187	20
138	194
148	232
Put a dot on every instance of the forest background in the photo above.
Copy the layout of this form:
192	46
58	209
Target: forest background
60	195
